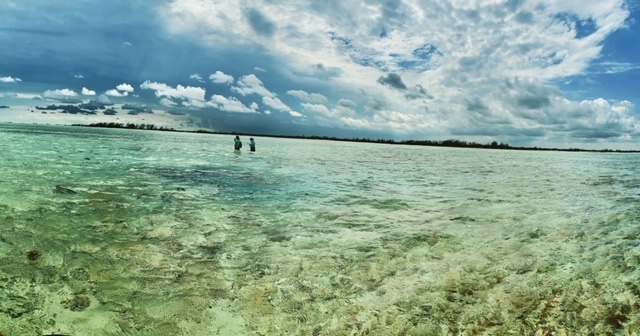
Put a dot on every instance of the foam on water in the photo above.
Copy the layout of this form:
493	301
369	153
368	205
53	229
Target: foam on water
120	232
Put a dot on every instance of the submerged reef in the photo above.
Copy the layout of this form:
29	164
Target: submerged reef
34	255
77	303
160	274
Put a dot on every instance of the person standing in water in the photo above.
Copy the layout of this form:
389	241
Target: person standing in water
237	144
252	145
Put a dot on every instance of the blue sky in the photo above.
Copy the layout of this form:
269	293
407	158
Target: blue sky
545	73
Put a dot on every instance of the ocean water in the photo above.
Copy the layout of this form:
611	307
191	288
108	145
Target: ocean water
127	232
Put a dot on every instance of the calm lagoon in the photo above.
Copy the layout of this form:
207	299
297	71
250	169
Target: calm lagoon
128	232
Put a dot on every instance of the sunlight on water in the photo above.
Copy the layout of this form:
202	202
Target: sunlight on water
120	232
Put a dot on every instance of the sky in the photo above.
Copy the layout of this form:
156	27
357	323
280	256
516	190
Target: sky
546	73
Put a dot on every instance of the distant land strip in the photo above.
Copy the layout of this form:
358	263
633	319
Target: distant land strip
433	143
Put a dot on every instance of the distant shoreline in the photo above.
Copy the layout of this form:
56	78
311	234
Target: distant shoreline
431	143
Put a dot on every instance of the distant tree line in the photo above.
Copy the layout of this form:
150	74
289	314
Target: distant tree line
150	127
436	143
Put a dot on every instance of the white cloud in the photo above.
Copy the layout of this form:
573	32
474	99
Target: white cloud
275	103
88	92
308	97
221	78
189	93
197	77
230	104
59	94
158	87
166	102
116	93
444	44
259	69
78	76
317	109
250	84
327	114
296	114
348	103
125	87
9	79
194	103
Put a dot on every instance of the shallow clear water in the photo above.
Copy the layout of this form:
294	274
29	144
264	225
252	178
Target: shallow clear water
121	232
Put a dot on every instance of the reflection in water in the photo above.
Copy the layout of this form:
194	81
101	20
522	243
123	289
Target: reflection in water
118	232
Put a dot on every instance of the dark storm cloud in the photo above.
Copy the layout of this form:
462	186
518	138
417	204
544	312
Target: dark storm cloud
418	92
475	104
533	102
393	80
376	104
596	134
504	131
529	95
260	24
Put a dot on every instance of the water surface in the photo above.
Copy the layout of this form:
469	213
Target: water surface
127	232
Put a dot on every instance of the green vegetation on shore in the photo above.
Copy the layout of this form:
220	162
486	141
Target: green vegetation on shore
436	143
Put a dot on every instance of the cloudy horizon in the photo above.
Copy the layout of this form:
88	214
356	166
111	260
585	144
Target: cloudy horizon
544	73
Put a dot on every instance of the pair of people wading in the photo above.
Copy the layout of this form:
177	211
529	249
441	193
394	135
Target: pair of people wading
237	144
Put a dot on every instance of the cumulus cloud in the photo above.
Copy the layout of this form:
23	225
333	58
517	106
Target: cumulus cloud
220	77
275	103
166	102
59	94
87	92
296	114
10	79
188	93
124	87
323	111
230	104
249	85
116	93
308	97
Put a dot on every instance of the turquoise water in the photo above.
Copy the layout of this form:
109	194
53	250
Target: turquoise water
125	232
